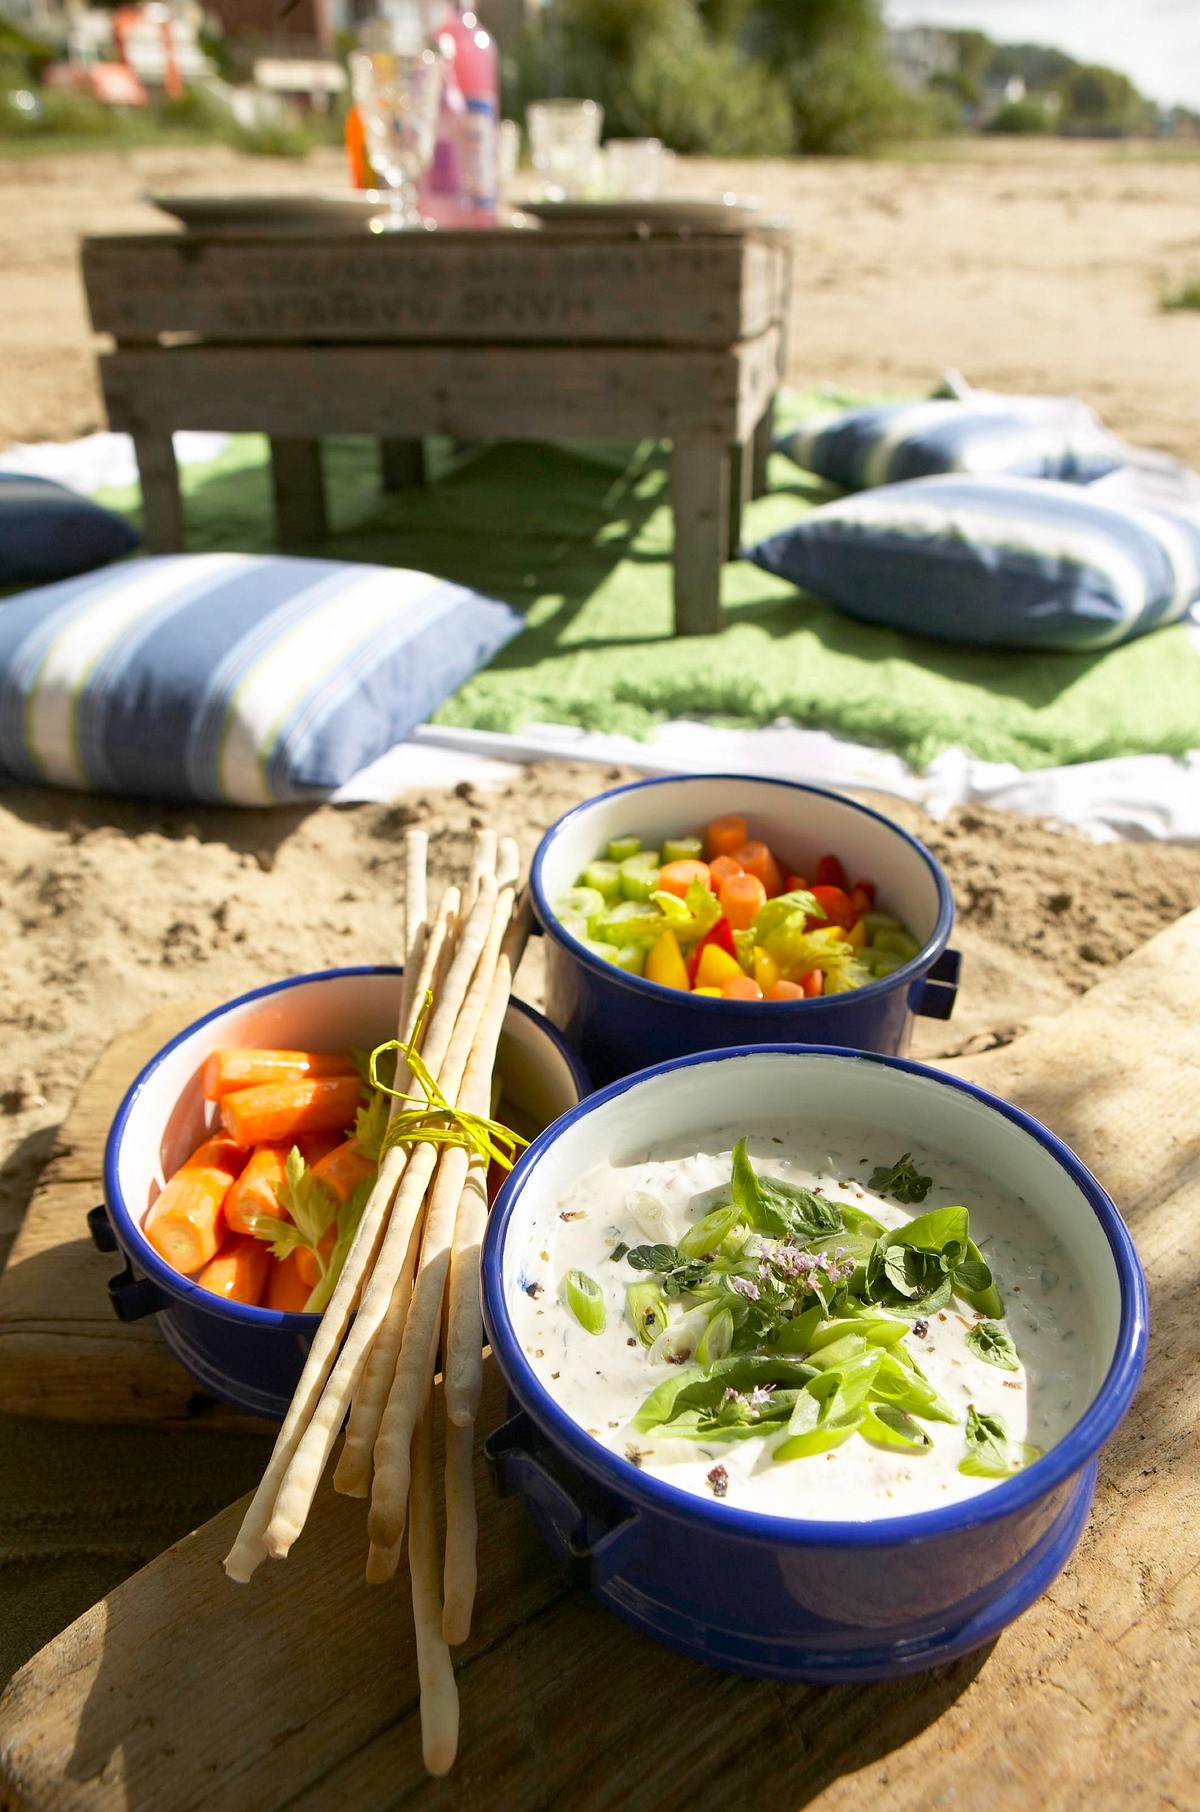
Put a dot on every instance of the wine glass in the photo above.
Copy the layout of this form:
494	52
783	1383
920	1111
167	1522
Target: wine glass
397	93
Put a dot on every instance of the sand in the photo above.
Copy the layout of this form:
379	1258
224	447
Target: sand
107	910
1028	266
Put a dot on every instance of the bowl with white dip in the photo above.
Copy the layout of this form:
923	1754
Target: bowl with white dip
811	1353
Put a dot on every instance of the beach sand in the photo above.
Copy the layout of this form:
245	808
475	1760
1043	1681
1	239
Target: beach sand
109	909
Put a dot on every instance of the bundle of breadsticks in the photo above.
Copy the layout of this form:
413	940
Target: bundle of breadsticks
410	1281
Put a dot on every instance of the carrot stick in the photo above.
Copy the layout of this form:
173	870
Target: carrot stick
343	1169
255	1190
186	1222
757	859
277	1111
725	835
246	1066
677	877
239	1270
286	1290
314	1146
720	869
308	1265
741	897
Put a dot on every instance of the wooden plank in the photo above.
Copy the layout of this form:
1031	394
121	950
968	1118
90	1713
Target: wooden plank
700	501
162	502
487	393
760	449
741	477
529	286
181	1693
402	464
298	491
63	1353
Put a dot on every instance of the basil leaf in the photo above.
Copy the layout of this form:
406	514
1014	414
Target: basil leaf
994	1345
652	1258
990	1453
900	1180
678	1273
783	1210
660	1404
931	1232
971	1275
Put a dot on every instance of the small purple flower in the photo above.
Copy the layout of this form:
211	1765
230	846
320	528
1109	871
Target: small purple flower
848	1267
730	1394
760	1394
789	1260
745	1286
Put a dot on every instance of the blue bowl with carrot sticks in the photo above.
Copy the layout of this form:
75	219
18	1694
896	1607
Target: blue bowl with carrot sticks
251	1356
621	1020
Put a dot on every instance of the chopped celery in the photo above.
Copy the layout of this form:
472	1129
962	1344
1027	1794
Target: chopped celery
900	942
631	957
605	877
580	902
598	947
621	848
630	921
879	962
880	921
682	849
639	875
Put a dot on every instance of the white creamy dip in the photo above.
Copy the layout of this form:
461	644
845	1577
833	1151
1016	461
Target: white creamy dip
602	1379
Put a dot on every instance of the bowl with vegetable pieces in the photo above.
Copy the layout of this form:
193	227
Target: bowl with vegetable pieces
241	1157
812	1353
693	912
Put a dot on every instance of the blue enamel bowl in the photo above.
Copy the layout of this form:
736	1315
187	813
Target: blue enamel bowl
764	1594
620	1022
251	1357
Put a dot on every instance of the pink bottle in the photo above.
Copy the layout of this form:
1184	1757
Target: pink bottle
476	74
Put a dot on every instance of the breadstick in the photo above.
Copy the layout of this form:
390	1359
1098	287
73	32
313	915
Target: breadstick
448	1043
483	862
439	1693
414	1369
462	1531
416	915
352	1475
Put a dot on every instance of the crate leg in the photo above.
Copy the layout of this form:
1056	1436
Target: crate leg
700	499
402	464
162	505
763	435
741	471
299	491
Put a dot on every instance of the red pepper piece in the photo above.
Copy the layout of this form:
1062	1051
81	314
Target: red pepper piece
867	887
830	873
813	983
795	884
836	904
861	900
720	934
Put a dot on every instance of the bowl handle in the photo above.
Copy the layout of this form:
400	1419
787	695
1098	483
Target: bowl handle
133	1297
589	1526
100	1228
934	996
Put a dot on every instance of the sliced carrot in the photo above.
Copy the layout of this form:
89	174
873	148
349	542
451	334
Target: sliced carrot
720	869
677	877
785	990
813	983
741	897
757	859
307	1267
186	1224
286	1290
255	1191
741	987
246	1066
724	835
239	1270
277	1111
343	1169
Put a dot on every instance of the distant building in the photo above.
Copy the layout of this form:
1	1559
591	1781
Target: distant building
917	53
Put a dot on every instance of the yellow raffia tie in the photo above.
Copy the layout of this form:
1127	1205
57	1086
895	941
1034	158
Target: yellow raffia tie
435	1121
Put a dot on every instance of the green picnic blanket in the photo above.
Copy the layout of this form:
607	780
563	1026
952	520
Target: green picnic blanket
579	537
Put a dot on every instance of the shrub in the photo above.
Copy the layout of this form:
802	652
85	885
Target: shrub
1018	117
704	98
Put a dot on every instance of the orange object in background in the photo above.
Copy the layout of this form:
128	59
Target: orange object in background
286	1290
244	1066
239	1270
756	859
279	1111
741	897
677	877
361	174
255	1191
187	1222
720	869
725	836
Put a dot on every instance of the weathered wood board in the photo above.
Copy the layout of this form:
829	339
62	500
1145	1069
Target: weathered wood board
537	286
181	1693
63	1353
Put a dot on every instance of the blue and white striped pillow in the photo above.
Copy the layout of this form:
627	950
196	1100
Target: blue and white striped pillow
1033	437
1008	562
230	677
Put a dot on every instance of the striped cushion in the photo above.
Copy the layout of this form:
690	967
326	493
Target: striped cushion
1007	562
1036	437
230	677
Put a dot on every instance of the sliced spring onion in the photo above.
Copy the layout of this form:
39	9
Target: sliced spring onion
586	1301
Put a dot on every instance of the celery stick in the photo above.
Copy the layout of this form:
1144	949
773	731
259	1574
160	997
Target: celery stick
605	877
901	943
621	848
639	874
682	849
631	957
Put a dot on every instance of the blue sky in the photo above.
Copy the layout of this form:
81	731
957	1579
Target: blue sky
1157	42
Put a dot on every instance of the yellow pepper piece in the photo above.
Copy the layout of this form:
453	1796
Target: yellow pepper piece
665	964
856	937
716	967
712	993
766	970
